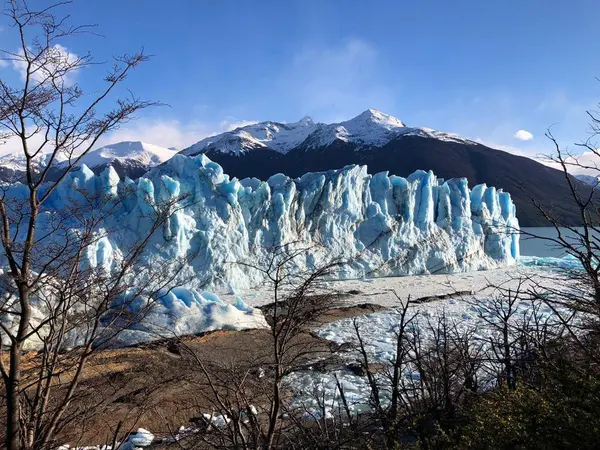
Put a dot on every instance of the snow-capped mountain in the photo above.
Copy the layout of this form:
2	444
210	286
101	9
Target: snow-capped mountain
589	179
128	152
14	165
385	143
129	158
371	128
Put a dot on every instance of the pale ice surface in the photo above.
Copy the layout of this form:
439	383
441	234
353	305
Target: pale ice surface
183	311
174	313
380	291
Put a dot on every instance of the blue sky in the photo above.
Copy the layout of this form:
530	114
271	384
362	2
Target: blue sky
481	69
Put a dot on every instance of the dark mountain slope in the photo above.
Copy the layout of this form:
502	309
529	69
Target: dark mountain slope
522	177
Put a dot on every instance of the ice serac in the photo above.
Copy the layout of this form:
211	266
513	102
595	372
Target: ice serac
380	225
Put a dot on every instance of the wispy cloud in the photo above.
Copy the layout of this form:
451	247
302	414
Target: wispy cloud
523	135
335	82
232	124
162	132
49	64
171	133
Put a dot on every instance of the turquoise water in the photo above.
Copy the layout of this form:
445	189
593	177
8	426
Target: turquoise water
534	246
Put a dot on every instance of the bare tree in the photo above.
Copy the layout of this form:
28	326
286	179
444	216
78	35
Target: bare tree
248	396
433	372
45	259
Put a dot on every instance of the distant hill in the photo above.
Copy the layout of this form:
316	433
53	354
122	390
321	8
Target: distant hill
589	179
129	158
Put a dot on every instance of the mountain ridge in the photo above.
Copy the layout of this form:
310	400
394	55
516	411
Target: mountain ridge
375	139
370	128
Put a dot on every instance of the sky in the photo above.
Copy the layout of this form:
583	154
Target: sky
498	72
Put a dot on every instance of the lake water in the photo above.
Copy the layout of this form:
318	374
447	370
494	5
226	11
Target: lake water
531	246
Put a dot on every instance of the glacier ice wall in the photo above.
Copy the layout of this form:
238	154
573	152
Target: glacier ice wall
382	225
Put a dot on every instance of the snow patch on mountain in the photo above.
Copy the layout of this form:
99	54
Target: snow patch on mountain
17	162
281	137
370	128
127	153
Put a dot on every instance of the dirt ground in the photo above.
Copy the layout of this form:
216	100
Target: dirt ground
161	386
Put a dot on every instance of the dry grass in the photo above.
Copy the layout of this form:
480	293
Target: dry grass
159	386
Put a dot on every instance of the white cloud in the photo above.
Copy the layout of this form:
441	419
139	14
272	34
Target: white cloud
228	125
170	133
162	132
523	135
56	58
586	163
14	145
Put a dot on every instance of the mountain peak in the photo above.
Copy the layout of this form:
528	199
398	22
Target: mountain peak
306	120
277	136
377	117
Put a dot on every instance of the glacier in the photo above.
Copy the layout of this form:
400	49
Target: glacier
381	225
220	230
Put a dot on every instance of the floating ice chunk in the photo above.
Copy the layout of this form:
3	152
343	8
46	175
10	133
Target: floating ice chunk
217	420
239	304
